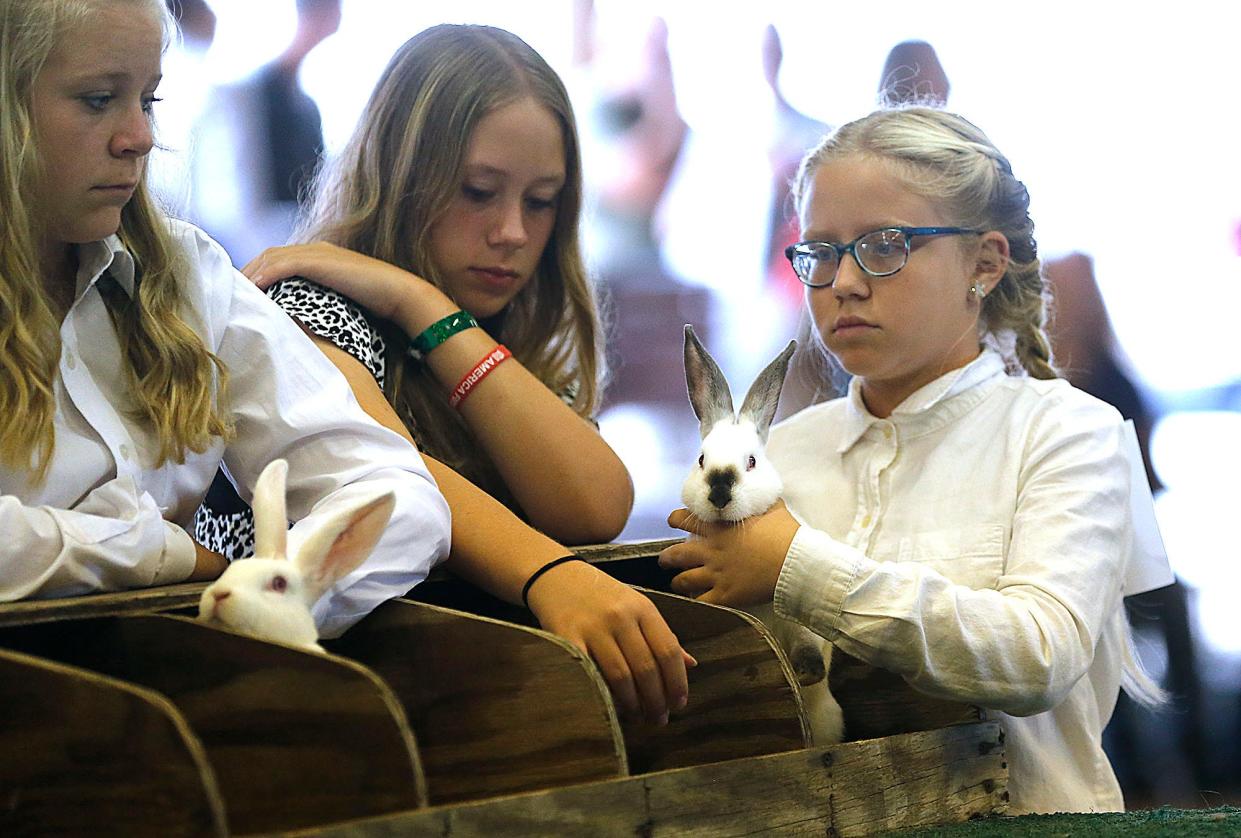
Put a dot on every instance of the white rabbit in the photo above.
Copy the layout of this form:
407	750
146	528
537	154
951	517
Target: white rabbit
270	596
733	480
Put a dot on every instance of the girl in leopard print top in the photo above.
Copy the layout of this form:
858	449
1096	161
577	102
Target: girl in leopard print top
461	189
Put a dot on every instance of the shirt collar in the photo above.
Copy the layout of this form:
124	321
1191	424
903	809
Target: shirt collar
920	406
105	256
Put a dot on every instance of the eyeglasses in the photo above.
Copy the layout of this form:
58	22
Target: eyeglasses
881	253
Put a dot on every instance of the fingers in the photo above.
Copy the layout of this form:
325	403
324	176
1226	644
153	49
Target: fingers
615	670
683	519
680	557
647	676
266	269
670	658
692	583
277	263
642	661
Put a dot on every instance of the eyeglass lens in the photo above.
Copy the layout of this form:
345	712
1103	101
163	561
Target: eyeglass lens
880	252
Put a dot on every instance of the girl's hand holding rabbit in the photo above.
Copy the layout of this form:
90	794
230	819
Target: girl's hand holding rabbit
385	290
734	564
622	630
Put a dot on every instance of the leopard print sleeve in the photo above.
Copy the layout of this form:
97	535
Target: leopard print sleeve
333	317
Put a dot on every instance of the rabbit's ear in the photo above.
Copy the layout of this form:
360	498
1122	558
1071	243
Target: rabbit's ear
341	543
271	523
760	402
708	391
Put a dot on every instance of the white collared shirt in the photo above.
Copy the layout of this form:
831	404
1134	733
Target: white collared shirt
107	518
975	543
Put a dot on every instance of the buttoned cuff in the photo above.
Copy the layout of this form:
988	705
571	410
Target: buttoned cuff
179	556
818	572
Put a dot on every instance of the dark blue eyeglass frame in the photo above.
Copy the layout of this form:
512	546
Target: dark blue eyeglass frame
803	250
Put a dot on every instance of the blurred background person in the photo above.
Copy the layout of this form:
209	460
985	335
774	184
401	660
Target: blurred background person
259	143
184	92
1087	353
912	74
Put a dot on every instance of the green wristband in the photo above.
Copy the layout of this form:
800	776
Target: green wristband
438	332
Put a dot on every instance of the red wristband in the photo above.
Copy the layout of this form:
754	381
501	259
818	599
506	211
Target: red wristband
481	370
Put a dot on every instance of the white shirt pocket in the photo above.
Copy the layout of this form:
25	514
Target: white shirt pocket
971	556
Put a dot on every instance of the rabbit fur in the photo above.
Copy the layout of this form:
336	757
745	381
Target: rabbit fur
270	595
733	480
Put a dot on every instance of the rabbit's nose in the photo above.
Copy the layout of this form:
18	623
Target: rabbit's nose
219	595
721	482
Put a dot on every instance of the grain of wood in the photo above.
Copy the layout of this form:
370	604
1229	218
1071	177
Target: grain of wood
81	754
496	708
294	738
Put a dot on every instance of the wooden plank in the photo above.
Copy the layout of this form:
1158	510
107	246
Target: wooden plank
878	703
112	604
743	696
960	773
84	754
624	551
919	779
496	708
295	738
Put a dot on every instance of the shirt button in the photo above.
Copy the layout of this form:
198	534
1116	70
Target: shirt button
70	361
887	433
866	520
124	451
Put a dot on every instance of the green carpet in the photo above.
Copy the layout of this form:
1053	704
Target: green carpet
1225	820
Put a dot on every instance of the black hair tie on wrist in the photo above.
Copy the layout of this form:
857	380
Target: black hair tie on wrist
525	591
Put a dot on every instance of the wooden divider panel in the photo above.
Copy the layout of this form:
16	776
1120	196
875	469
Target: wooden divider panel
81	754
497	708
295	738
743	699
878	703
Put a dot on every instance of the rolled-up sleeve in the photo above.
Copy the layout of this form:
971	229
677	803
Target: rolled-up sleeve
289	401
114	538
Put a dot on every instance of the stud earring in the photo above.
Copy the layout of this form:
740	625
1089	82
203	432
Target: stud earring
978	290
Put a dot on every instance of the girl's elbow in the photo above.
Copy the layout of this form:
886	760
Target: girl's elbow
587	521
1044	692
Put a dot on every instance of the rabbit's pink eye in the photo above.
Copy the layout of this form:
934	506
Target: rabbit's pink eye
751	463
700	460
279	584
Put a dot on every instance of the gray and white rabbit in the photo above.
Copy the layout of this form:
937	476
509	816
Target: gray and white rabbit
733	480
270	595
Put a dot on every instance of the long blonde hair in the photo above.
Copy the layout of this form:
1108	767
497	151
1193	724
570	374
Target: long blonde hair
396	178
173	376
950	161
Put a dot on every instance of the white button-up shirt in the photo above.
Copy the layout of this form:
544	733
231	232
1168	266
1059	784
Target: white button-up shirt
108	518
976	543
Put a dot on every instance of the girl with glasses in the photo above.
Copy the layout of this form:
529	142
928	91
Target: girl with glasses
134	359
439	269
962	517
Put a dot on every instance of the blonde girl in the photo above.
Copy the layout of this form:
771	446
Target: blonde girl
134	360
962	517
